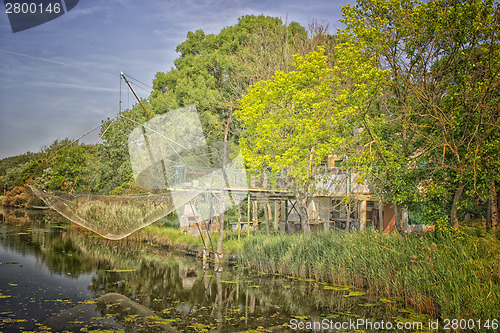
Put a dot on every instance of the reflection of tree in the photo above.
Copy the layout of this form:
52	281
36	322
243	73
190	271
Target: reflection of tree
156	279
42	235
306	298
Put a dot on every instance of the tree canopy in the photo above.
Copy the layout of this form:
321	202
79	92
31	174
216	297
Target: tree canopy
408	91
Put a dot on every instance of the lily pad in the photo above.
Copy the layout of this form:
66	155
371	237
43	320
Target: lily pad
332	316
355	293
301	317
390	300
337	288
368	305
120	270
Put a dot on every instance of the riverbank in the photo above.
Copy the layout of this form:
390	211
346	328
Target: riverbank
447	276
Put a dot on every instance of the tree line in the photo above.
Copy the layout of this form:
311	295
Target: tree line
408	92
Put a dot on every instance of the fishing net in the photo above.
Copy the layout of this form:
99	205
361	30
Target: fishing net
169	153
111	216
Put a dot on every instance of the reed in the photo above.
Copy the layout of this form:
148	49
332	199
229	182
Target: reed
116	217
443	275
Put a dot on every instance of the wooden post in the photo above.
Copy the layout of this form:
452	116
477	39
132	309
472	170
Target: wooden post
239	221
286	214
255	215
276	215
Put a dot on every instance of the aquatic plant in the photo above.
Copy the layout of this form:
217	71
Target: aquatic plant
437	274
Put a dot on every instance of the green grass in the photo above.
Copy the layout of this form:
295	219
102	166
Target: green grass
169	237
437	274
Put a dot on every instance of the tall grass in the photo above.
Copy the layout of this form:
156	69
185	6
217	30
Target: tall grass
116	217
437	274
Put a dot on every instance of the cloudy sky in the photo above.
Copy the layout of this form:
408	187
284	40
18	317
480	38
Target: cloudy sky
60	79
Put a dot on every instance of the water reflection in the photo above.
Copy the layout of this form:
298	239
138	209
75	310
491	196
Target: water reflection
93	283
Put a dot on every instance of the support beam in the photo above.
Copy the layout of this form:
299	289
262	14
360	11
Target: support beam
277	214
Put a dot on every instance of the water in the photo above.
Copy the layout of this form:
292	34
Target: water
54	277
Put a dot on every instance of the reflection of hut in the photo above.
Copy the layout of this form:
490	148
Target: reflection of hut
188	276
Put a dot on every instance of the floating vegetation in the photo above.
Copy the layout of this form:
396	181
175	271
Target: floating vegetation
332	316
120	270
199	327
390	299
12	321
368	305
301	317
338	288
355	293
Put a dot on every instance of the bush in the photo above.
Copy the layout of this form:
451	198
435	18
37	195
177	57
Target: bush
21	197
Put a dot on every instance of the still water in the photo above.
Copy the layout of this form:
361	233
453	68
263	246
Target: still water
56	278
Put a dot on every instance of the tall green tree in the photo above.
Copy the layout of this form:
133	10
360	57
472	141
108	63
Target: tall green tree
204	74
460	92
379	29
440	105
293	121
209	69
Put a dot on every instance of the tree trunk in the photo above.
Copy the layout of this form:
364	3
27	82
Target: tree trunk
255	209
348	216
398	216
494	208
266	217
488	214
255	215
302	211
362	215
381	216
219	256
454	206
267	209
277	207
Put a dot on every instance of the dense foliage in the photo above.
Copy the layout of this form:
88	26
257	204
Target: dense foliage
408	92
417	85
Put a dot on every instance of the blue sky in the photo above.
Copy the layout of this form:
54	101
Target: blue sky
60	79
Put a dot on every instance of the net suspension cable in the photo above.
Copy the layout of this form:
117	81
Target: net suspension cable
115	217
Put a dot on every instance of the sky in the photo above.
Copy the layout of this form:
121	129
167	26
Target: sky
62	78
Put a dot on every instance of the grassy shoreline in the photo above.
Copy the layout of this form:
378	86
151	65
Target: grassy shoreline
439	274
